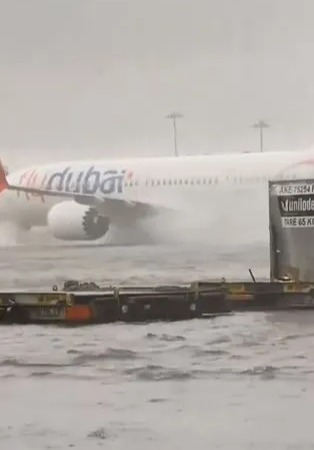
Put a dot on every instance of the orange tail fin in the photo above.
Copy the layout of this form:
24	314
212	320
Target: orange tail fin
3	179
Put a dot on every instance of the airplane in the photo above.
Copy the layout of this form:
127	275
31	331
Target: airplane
82	200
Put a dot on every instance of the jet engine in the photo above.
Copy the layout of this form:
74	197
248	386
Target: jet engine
72	221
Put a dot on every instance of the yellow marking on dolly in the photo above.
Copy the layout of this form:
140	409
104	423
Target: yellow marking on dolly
297	287
45	299
240	297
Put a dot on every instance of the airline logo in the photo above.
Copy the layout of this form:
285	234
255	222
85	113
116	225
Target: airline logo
87	182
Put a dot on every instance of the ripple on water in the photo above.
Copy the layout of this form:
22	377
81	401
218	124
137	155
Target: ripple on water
165	337
14	362
153	372
110	353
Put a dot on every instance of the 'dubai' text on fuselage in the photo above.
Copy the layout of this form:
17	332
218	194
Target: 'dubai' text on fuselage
86	182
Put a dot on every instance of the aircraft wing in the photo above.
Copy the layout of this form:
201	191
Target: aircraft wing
110	203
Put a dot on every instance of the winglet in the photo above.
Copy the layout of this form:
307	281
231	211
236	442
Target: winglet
3	179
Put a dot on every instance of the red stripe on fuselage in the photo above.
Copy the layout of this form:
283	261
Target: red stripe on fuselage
28	179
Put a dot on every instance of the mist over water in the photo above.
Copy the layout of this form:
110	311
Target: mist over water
223	218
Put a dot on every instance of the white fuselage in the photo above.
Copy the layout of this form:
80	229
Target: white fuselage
237	182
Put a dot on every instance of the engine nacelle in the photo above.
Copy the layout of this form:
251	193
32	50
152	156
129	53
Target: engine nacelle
71	221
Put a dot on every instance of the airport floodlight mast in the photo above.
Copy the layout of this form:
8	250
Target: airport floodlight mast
174	116
261	124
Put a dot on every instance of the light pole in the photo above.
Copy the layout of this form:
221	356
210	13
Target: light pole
261	124
175	116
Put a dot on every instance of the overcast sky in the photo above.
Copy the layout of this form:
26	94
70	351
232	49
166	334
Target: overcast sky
92	78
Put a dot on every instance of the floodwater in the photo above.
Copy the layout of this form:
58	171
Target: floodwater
243	381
